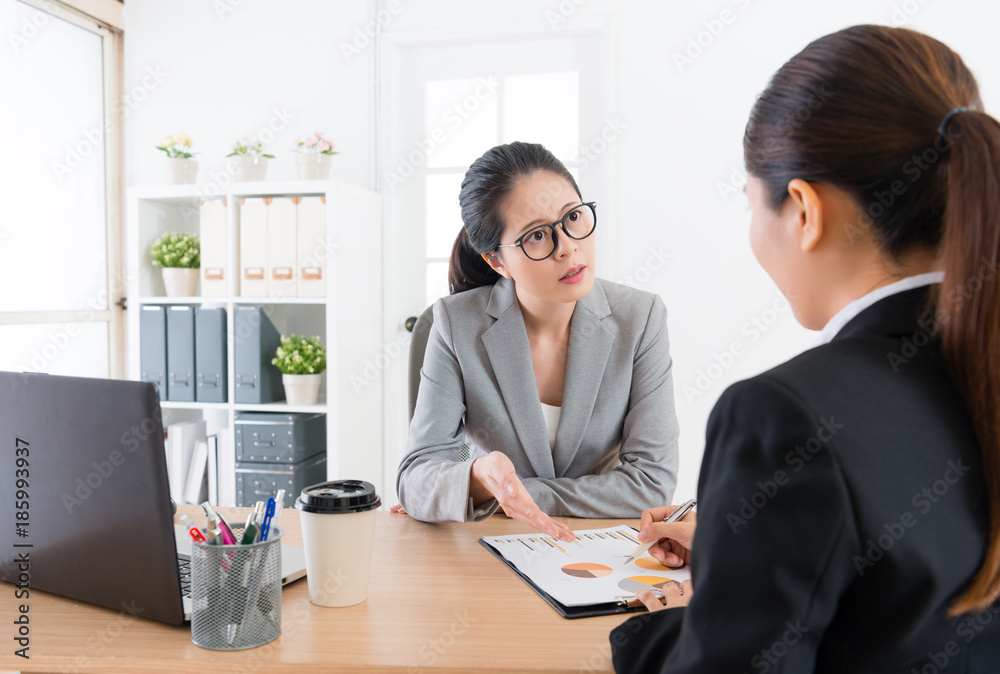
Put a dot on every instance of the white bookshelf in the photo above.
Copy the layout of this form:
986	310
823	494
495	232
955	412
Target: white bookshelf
348	319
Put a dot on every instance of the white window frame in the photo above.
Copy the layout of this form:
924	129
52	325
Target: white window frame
113	315
391	46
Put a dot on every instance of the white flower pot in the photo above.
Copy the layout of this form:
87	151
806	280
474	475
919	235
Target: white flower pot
180	171
248	167
301	389
313	165
180	281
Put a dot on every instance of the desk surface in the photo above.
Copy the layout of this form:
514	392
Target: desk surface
437	601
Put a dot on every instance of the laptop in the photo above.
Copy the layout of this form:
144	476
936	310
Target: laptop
83	465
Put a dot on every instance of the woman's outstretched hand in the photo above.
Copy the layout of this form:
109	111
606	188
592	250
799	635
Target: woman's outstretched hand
493	476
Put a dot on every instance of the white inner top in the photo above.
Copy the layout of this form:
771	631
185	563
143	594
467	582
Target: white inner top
551	414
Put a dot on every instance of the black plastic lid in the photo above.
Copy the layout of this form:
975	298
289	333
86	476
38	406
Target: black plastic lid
339	496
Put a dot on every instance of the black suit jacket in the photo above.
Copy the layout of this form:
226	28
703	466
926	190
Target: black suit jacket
841	510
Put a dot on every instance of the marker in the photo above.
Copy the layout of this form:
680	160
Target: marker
673	517
279	499
250	530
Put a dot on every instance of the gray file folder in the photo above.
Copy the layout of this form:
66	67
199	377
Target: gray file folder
180	353
153	346
210	355
255	341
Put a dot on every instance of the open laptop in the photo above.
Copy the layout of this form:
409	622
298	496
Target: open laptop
83	465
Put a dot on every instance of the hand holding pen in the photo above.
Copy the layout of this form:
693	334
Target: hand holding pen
669	540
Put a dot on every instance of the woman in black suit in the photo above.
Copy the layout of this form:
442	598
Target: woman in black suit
849	499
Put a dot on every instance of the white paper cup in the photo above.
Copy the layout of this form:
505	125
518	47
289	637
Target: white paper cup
338	529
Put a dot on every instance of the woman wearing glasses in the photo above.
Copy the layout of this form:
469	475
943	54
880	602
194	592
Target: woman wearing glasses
850	498
544	391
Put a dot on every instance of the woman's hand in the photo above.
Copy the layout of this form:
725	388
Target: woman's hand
673	540
493	476
674	595
398	508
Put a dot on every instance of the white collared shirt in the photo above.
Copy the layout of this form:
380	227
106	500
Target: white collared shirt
844	316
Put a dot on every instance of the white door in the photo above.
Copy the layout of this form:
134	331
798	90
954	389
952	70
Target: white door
446	99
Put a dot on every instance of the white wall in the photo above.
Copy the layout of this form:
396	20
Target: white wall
683	139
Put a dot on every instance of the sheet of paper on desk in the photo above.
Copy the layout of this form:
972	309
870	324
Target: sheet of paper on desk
590	570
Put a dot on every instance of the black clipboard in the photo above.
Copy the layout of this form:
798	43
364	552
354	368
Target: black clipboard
588	611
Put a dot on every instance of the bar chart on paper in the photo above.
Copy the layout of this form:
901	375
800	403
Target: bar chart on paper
590	570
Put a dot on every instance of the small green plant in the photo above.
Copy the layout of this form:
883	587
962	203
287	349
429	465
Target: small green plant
176	146
247	148
300	355
176	249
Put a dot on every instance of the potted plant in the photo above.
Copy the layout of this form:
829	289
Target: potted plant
179	256
248	161
301	361
179	166
313	157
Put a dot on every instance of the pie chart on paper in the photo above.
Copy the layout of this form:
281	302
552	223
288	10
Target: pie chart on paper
651	564
634	584
586	570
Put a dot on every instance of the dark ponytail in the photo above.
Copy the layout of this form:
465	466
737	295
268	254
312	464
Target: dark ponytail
485	189
861	109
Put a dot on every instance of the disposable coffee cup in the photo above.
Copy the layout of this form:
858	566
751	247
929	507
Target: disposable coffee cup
338	527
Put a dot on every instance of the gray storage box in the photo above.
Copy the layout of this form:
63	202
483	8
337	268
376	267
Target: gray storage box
274	437
256	481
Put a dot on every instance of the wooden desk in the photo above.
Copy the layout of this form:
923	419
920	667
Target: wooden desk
438	601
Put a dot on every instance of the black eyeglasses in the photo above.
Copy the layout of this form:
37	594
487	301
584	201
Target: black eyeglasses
540	242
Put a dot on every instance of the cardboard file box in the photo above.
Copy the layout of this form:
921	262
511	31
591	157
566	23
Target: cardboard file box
313	251
210	355
253	247
153	346
281	249
256	481
255	341
214	251
180	353
273	437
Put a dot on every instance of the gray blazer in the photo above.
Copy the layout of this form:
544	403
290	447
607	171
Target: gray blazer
616	445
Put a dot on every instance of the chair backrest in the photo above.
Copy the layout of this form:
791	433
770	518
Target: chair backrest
418	344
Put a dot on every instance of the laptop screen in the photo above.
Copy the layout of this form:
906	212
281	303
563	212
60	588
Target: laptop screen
83	464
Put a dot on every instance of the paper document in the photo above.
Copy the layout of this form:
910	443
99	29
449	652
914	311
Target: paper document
590	570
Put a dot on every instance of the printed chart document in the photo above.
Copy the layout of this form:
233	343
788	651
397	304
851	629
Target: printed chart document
588	576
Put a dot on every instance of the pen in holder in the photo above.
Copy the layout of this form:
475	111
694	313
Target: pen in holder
236	593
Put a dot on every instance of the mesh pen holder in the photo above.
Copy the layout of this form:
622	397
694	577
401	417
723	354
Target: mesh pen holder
236	593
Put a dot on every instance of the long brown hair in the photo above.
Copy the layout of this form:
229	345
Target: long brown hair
862	109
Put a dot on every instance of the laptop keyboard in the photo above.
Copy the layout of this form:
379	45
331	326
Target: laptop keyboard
184	568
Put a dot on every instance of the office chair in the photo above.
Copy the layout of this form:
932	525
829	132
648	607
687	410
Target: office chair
421	328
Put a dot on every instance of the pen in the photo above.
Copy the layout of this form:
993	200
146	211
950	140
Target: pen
265	528
673	517
214	536
192	529
279	499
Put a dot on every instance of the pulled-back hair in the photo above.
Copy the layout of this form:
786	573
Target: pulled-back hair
861	109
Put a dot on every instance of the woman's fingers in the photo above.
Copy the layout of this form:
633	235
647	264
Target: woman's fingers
398	508
650	600
682	532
